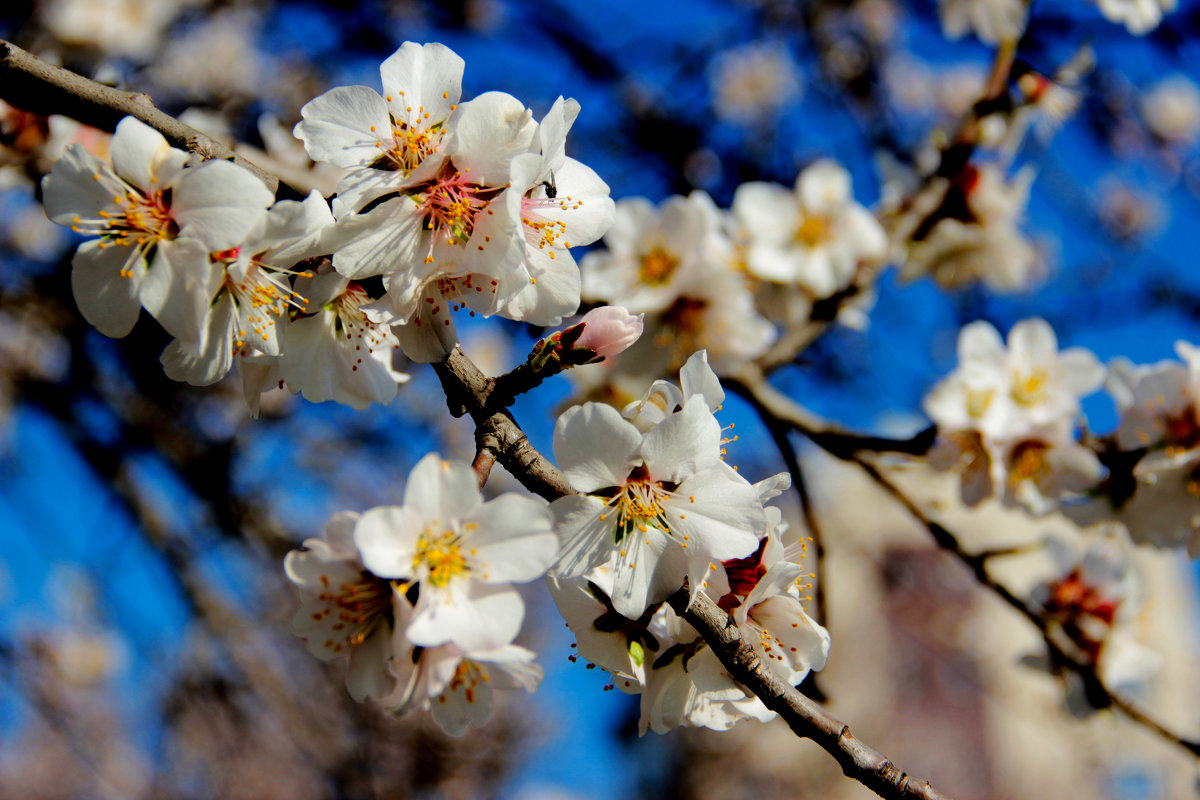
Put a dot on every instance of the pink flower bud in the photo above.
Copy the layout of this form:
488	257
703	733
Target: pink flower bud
608	330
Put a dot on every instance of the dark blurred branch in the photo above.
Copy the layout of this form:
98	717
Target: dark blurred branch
861	452
34	85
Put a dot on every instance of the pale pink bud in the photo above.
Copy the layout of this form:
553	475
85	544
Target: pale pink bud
608	330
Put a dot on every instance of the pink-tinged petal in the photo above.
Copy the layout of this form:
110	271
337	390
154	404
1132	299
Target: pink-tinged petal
585	540
71	191
137	150
426	78
219	203
595	447
490	131
205	362
107	297
649	568
387	539
683	443
345	126
442	490
180	286
474	616
514	540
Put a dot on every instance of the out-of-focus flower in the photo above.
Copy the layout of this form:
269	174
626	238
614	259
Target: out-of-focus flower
1094	600
815	235
1172	110
1006	416
217	56
1129	213
1138	16
964	230
753	82
993	21
131	28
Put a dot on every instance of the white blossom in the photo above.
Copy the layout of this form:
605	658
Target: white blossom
462	555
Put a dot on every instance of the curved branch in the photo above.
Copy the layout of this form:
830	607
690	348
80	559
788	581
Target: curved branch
805	717
34	85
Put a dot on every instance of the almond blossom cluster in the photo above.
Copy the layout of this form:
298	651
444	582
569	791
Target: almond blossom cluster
725	281
1008	423
454	206
1006	417
658	506
419	598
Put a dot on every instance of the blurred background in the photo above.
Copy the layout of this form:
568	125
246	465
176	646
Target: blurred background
144	643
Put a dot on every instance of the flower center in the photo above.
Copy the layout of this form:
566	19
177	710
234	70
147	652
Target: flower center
441	557
359	607
639	505
1028	463
410	145
812	230
657	266
1031	388
352	323
261	294
450	205
140	221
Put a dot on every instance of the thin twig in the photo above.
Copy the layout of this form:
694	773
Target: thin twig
31	84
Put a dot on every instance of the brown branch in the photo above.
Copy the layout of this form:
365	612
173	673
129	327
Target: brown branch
805	717
31	84
469	391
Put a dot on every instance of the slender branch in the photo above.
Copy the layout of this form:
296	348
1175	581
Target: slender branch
31	84
805	717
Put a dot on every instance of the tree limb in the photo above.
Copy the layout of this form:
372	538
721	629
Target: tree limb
31	84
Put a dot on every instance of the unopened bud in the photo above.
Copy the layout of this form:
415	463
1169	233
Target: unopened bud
608	330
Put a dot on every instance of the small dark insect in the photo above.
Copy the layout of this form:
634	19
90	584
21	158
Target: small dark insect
551	189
